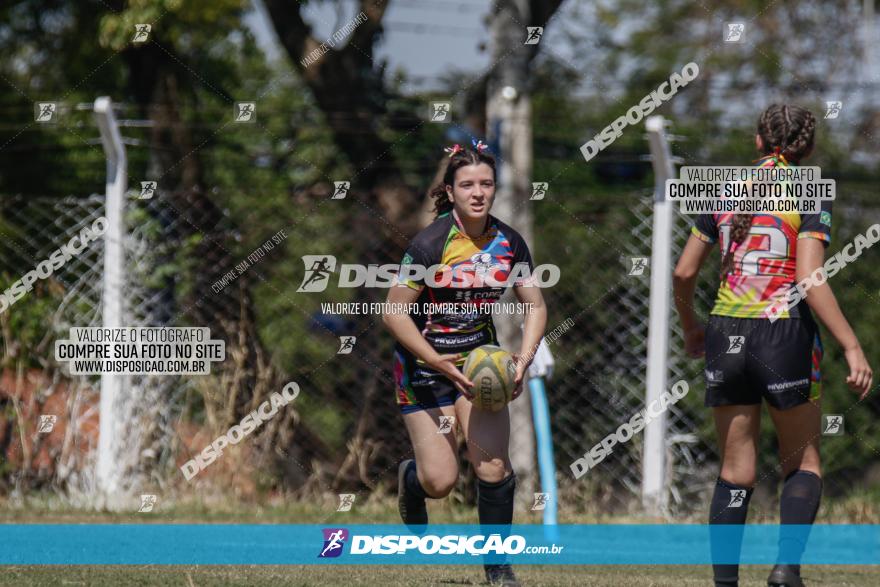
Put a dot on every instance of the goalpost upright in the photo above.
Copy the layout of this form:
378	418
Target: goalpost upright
109	467
654	490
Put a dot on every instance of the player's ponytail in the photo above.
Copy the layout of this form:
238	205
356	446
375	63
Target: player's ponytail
459	157
787	133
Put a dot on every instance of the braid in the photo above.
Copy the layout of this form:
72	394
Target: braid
741	225
801	141
791	129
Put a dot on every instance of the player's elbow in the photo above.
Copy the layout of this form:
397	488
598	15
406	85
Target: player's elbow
684	273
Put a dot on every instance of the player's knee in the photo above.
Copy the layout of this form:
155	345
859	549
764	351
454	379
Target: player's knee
809	463
439	484
492	470
744	476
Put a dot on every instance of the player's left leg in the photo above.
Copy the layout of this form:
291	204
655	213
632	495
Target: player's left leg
488	436
798	430
785	365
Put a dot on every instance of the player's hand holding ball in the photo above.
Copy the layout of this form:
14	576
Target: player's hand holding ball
446	364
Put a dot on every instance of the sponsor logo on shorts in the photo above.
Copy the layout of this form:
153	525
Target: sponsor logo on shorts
786	385
714	376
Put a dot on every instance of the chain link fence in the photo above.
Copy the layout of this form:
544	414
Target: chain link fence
345	434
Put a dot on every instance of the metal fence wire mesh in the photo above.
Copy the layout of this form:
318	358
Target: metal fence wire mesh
31	230
345	434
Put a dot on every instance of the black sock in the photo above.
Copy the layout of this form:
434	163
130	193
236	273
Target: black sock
730	505
495	506
495	500
797	506
411	482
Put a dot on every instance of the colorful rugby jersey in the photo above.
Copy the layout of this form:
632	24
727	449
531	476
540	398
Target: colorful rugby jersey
492	256
764	264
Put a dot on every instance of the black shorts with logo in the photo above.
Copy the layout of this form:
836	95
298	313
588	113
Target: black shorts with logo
748	359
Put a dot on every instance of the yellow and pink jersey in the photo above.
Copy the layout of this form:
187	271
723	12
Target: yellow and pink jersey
764	264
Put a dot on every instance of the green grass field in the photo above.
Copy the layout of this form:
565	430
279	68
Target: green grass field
375	510
405	576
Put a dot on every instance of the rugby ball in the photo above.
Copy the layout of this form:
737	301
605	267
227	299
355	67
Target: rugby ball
493	371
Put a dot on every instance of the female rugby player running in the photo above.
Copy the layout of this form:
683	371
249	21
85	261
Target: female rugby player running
763	255
432	348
